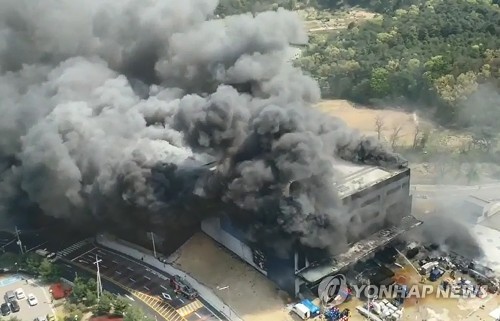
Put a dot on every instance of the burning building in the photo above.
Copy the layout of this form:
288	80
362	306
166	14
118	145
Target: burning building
109	125
377	202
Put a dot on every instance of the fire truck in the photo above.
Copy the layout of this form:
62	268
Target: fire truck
181	286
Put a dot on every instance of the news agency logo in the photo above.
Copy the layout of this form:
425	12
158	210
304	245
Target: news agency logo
333	290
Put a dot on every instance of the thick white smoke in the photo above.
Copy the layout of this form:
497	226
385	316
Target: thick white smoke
108	106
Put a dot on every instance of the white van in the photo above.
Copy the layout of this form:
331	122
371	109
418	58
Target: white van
302	311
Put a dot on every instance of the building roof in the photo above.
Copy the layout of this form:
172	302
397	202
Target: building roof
357	251
353	178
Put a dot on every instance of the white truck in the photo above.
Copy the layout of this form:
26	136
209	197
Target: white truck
302	311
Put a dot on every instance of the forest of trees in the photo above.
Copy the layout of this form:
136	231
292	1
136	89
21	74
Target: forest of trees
227	7
436	54
432	53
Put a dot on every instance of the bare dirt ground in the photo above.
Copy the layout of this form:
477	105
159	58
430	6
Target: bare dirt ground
439	139
248	292
364	119
324	20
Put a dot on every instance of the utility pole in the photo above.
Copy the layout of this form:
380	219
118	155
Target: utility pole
99	284
153	240
19	241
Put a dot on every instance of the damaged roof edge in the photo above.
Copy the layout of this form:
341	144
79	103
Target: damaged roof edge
358	251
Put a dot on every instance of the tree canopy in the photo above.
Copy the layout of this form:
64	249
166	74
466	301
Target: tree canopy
436	54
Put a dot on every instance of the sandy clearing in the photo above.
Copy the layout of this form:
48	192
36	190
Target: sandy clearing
323	20
249	293
364	119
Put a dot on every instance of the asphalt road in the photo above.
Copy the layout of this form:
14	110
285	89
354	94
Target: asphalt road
461	189
77	257
141	278
70	272
36	239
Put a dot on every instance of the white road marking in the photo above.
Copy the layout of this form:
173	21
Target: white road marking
147	289
182	301
149	279
129	268
199	317
79	256
118	272
163	287
129	297
131	279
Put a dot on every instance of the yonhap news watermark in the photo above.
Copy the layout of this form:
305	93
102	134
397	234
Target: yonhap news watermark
335	290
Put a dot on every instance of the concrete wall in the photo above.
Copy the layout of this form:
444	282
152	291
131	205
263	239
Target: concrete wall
376	205
205	292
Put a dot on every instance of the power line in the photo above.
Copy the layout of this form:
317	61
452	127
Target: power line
19	240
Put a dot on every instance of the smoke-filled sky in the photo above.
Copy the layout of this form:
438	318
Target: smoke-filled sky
108	105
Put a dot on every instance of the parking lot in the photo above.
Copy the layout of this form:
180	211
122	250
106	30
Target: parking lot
27	312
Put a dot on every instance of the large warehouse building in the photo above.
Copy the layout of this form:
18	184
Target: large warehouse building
378	197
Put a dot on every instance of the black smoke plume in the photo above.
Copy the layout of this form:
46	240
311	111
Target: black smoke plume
110	109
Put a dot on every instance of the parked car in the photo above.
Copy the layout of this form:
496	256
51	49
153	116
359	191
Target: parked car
5	309
20	294
9	296
14	306
32	300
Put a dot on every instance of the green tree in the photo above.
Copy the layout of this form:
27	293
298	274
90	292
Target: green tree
379	82
75	315
120	305
48	271
8	260
105	304
429	54
133	313
84	291
90	298
73	311
31	262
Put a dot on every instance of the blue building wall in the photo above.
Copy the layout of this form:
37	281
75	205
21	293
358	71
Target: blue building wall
282	272
227	225
279	270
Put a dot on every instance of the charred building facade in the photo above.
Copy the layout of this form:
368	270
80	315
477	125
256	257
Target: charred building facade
376	199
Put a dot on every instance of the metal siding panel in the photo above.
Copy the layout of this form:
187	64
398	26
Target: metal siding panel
282	272
213	228
227	226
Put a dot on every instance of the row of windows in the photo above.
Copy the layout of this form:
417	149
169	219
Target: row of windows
371	201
